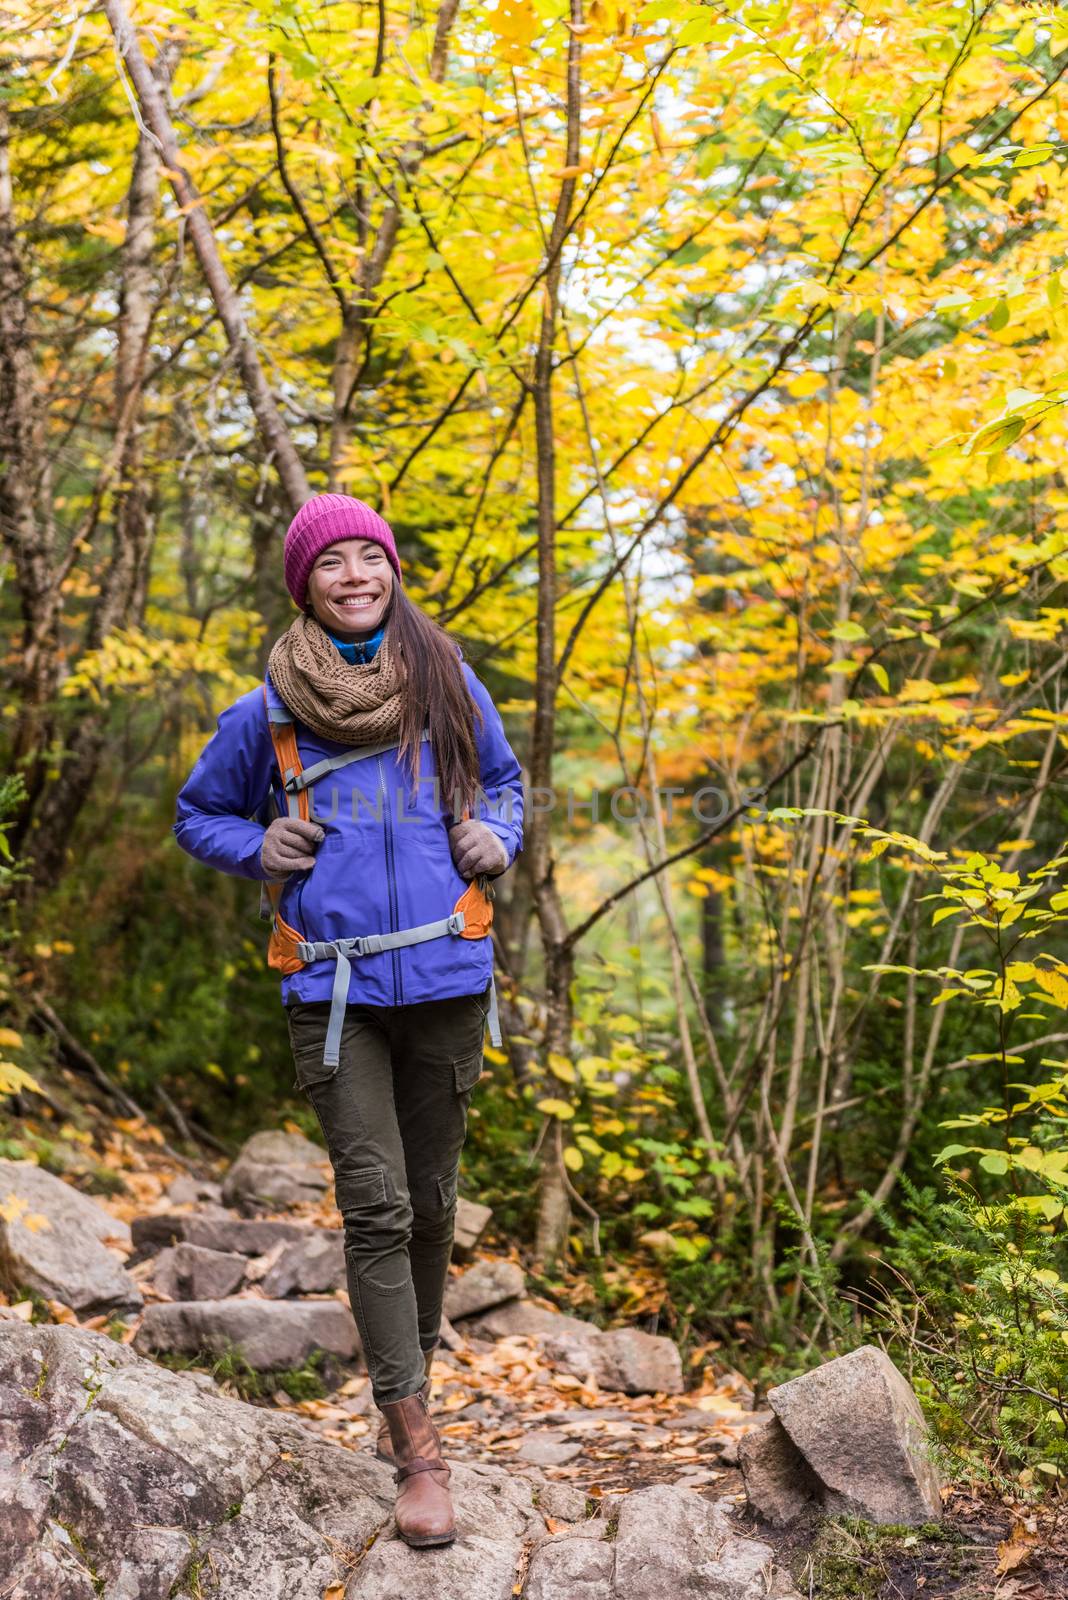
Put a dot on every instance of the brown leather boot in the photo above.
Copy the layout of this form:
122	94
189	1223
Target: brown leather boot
423	1507
383	1447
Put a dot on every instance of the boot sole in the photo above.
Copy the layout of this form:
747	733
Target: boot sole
428	1540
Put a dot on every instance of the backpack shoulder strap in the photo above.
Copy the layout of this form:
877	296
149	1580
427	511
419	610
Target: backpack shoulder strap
286	754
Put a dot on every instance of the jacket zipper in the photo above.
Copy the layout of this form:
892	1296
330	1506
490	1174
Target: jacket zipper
391	881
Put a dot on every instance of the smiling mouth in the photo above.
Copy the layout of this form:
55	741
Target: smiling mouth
358	602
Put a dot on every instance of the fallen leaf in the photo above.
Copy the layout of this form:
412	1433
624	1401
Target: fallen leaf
1014	1551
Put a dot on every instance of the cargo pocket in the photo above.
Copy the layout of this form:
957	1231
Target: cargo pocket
467	1070
307	1022
362	1190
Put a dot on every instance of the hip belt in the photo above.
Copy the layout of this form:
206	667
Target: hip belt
344	951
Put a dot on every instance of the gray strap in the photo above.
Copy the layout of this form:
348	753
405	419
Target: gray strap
319	769
342	950
493	1017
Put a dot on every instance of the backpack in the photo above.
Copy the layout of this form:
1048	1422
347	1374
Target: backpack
287	950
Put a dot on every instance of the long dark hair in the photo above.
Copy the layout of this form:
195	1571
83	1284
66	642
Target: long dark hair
436	693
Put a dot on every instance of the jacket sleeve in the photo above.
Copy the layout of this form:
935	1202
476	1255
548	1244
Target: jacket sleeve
500	804
230	783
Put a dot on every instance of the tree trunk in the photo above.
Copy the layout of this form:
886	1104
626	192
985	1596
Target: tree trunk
154	111
554	1211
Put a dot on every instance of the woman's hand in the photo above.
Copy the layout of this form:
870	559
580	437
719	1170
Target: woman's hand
287	846
476	850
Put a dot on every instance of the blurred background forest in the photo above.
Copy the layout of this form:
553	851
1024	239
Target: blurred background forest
708	361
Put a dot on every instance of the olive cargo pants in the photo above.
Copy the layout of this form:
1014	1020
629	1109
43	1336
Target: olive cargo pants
394	1117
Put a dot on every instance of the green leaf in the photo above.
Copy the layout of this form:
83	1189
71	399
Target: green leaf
880	674
994	1163
999	317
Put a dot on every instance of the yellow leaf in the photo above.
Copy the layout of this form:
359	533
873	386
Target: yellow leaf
10	1040
562	1068
514	21
1055	985
13	1078
573	1159
805	384
556	1108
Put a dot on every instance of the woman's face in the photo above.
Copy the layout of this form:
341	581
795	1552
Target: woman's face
349	587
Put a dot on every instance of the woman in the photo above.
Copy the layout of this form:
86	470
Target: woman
398	798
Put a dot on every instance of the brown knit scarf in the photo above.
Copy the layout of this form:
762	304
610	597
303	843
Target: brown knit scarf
350	704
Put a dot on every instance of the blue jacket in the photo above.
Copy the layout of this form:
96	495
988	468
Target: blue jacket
385	863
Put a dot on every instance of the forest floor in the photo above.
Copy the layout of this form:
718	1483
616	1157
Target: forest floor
500	1400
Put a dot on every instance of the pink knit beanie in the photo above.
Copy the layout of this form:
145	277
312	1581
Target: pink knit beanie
322	521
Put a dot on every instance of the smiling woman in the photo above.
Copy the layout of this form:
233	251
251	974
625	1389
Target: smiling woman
350	587
381	925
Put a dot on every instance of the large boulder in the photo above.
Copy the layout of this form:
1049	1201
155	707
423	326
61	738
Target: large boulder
275	1169
858	1429
622	1358
53	1239
269	1334
124	1479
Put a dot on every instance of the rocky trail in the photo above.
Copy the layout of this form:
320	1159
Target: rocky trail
584	1465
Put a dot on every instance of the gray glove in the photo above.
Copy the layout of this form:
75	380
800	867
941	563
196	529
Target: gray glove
476	850
287	846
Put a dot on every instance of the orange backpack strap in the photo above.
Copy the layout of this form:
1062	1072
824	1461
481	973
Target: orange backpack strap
284	739
282	945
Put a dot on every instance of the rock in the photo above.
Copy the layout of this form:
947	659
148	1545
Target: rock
187	1190
575	1565
779	1483
52	1239
482	1286
244	1237
561	1500
623	1358
471	1222
524	1317
860	1428
275	1169
450	1338
671	1541
639	1363
189	1272
547	1450
660	1543
473	1568
308	1266
270	1334
124	1479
